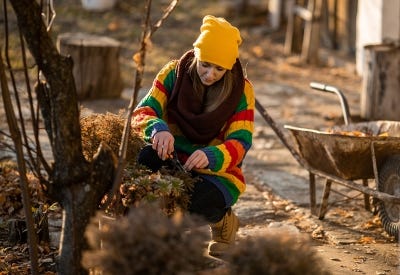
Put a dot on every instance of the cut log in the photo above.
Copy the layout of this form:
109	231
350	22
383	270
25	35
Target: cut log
380	94
96	64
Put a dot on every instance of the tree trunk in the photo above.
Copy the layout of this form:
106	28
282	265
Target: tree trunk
73	182
72	239
79	204
96	68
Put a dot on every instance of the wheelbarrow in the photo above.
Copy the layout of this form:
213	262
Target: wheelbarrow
349	155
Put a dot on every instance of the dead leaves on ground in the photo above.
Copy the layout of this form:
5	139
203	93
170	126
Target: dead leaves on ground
10	191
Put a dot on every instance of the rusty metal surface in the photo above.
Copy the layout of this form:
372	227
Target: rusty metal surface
345	156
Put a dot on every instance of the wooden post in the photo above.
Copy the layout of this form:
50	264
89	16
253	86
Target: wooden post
346	25
380	94
96	64
309	53
307	41
275	13
294	31
338	26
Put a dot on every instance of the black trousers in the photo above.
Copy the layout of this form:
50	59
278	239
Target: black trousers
206	199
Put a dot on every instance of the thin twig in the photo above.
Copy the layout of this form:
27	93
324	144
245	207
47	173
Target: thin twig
16	136
40	160
166	14
13	81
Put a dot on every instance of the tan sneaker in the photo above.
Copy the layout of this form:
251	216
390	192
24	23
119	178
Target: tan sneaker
223	234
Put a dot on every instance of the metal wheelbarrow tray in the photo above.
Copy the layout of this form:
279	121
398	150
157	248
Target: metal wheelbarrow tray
347	156
340	156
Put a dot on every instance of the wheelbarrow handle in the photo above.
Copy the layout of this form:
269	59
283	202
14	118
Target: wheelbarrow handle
322	87
343	101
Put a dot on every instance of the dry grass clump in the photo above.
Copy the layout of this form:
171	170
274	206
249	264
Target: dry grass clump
107	128
146	241
275	253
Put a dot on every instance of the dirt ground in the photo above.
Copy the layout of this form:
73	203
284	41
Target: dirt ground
350	240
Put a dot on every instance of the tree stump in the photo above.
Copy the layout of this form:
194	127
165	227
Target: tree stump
380	94
96	64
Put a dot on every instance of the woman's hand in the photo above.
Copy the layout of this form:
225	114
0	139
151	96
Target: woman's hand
163	143
196	160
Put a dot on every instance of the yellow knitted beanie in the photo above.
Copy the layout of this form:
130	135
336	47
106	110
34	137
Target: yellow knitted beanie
218	42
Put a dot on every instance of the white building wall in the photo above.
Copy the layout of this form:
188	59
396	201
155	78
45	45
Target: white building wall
378	21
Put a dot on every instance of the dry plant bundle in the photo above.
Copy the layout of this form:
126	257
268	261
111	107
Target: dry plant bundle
146	241
107	128
275	253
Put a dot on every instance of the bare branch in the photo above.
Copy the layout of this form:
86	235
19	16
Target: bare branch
35	119
168	11
16	136
13	81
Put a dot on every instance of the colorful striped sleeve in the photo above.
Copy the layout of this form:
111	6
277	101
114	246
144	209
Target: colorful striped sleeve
237	135
150	116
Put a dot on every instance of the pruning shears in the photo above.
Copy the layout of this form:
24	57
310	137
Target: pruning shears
173	157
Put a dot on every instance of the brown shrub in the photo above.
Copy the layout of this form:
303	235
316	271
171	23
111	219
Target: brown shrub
275	253
146	241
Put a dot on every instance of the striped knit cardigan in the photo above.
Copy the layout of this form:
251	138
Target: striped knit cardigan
225	153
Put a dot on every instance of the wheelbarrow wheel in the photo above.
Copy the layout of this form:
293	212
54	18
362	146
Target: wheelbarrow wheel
389	183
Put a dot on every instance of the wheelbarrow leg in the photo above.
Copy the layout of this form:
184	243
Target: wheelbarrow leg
325	198
367	205
312	194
